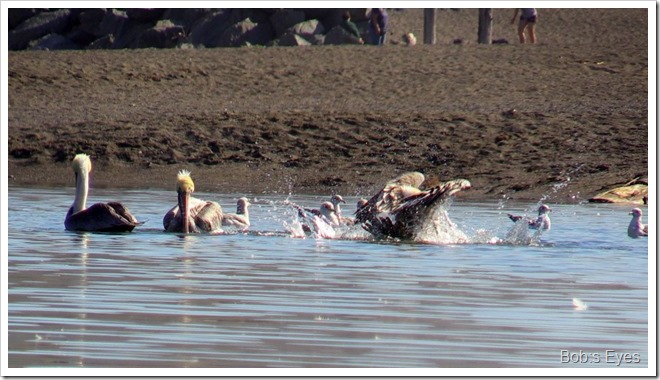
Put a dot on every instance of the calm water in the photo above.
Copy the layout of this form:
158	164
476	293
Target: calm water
265	299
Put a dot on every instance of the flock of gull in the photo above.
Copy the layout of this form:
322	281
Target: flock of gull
403	209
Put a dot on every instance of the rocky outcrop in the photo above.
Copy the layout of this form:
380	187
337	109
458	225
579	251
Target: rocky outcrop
135	28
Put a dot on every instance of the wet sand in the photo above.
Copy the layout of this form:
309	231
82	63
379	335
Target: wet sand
567	117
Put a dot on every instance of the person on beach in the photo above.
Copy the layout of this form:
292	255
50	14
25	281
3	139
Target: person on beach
527	23
350	27
378	25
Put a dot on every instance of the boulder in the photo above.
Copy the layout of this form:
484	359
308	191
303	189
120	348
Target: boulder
90	20
187	17
339	36
283	19
635	191
53	41
38	26
163	35
104	42
307	28
17	15
144	14
290	39
208	30
246	33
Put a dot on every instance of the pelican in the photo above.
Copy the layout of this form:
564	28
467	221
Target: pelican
408	206
100	217
192	214
636	228
240	220
540	223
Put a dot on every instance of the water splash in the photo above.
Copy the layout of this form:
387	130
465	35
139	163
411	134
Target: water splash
438	228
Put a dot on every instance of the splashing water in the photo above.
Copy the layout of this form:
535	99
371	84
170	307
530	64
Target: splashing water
439	229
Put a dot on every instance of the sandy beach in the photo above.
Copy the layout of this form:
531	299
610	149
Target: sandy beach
564	118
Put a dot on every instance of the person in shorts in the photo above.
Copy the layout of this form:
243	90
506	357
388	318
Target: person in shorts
527	23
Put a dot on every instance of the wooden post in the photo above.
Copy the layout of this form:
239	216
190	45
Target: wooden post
429	26
485	25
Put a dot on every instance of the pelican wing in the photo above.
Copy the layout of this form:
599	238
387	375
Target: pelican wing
207	216
101	217
413	211
389	197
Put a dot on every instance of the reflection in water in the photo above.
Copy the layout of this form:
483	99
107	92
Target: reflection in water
264	299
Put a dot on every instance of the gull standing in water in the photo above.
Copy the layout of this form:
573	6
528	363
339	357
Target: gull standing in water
192	214
240	220
636	228
100	217
540	223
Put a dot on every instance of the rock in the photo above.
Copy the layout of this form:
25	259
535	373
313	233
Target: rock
163	35
283	19
635	191
18	15
144	14
53	41
38	26
208	30
90	20
104	42
307	28
339	36
290	39
246	33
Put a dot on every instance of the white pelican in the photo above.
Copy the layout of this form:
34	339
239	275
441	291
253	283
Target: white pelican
101	217
240	220
636	228
408	207
192	214
540	223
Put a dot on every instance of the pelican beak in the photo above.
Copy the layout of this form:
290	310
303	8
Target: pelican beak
184	201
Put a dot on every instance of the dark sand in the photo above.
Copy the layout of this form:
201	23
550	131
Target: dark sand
345	119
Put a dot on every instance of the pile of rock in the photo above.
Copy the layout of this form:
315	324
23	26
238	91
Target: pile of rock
101	28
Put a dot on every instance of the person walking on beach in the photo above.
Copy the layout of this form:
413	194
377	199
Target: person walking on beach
527	23
350	27
378	26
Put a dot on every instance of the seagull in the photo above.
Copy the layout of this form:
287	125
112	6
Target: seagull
636	228
240	220
335	200
100	217
320	224
407	207
540	223
192	214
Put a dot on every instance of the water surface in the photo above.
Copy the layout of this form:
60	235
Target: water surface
265	299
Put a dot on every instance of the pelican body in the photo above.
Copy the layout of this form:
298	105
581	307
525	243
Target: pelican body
636	228
100	217
192	214
407	206
240	220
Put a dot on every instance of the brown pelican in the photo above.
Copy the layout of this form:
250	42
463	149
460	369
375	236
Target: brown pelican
540	223
240	220
101	217
408	207
636	228
192	214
